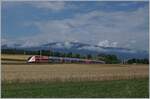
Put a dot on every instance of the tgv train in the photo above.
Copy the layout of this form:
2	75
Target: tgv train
49	59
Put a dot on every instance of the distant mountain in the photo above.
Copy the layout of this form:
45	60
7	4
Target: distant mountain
83	49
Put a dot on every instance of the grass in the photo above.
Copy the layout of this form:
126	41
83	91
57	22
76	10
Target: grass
116	88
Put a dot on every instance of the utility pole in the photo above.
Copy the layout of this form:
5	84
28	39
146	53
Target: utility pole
49	50
24	52
40	55
40	52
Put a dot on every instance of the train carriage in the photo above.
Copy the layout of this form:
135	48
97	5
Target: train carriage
50	59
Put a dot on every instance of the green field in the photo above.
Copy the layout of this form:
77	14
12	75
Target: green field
116	88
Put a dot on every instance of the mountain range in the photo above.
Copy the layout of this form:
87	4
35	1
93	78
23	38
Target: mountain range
81	48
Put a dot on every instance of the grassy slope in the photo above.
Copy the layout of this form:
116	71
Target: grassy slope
120	88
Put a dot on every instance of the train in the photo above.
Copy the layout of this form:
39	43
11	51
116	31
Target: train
51	59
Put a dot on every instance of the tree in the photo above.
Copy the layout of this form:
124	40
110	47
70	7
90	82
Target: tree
83	57
109	59
77	55
57	54
146	61
89	56
69	54
140	61
62	54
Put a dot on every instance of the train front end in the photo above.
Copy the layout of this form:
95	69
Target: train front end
38	59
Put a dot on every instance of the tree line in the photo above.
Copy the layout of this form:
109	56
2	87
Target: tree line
138	61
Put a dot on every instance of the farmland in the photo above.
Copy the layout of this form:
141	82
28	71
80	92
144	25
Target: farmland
16	72
15	68
75	72
13	56
134	88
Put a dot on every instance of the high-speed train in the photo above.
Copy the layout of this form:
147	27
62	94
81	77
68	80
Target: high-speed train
50	59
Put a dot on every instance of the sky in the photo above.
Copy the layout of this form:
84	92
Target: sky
123	24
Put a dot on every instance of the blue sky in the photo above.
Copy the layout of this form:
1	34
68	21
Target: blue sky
109	24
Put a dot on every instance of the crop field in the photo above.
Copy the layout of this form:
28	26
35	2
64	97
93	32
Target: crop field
15	68
75	72
14	56
21	71
21	79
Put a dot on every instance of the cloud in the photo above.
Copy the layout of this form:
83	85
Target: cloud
100	49
98	26
133	41
58	45
63	45
106	43
11	42
47	5
50	5
113	29
92	48
3	41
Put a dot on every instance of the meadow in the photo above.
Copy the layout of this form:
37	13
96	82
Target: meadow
133	88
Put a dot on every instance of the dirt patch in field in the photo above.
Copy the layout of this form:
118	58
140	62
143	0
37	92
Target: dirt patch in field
71	72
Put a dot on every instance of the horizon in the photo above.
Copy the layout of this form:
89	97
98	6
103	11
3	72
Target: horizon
103	23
